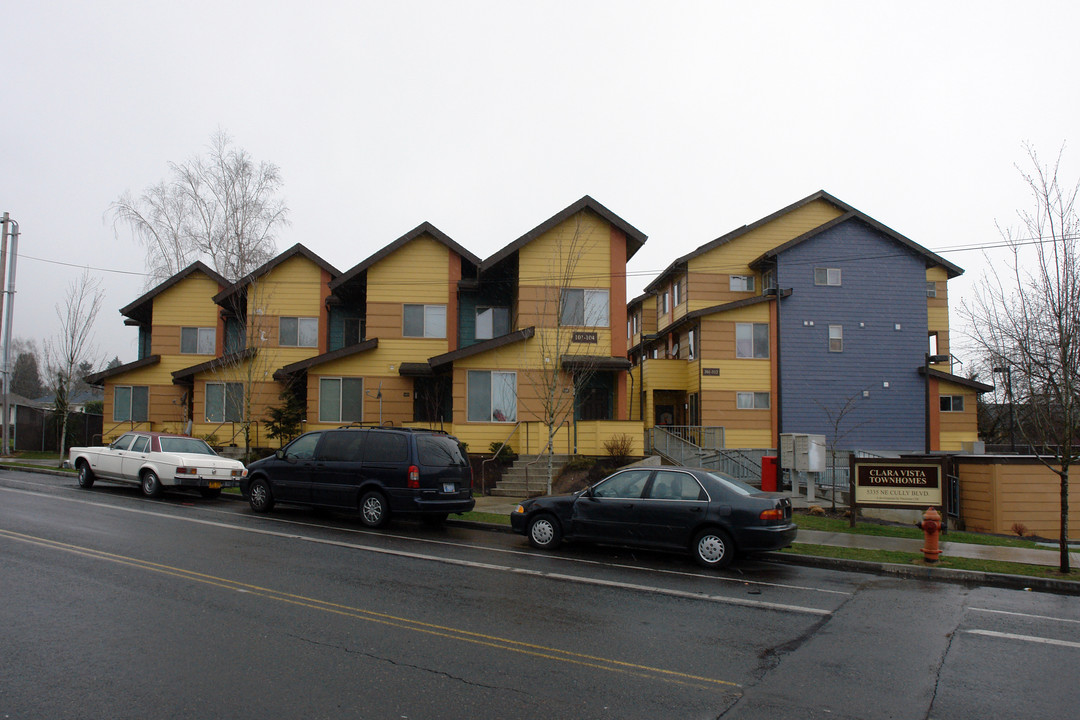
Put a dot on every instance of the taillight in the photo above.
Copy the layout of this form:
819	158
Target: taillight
774	514
186	471
414	477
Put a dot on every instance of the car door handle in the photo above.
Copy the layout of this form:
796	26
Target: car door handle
695	509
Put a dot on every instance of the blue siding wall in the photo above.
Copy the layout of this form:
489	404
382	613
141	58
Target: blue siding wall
882	284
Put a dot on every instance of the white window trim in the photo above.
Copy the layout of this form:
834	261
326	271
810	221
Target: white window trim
341	399
833	276
300	319
491	398
742	397
424	330
224	402
836	335
741	283
753	355
952	403
586	294
201	334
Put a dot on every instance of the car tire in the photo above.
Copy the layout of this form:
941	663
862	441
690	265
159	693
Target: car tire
210	493
544	532
151	484
713	548
259	496
374	512
86	475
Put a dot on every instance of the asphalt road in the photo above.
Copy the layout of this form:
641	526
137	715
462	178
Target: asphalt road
116	606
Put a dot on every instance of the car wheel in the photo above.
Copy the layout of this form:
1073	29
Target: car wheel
210	493
435	519
373	510
151	484
86	475
713	548
544	532
259	496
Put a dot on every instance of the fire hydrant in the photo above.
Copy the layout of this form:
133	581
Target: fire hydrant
931	527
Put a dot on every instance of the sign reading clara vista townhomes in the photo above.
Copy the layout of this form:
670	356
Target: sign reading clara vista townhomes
897	484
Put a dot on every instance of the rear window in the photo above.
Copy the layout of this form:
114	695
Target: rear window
439	451
736	486
194	446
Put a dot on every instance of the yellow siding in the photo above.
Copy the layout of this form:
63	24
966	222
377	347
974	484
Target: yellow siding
710	270
419	272
665	375
292	289
995	497
189	303
584	238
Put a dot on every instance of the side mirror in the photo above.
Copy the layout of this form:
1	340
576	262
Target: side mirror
279	454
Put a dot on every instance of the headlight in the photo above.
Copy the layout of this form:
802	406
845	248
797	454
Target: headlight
519	509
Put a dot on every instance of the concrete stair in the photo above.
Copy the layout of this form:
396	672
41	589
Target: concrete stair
513	483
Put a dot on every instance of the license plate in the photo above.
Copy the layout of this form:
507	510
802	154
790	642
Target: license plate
214	486
448	487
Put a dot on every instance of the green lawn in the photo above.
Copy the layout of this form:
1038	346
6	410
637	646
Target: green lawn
840	525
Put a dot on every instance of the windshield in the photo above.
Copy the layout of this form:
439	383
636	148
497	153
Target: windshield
191	446
439	451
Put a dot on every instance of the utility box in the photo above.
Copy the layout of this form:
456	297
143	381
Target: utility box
802	453
768	473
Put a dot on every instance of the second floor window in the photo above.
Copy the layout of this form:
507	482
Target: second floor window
585	308
492	322
663	304
836	338
741	283
424	321
751	340
826	276
677	294
197	340
952	403
752	400
691	343
931	289
298	332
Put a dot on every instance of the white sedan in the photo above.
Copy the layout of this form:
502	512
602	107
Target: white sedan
155	461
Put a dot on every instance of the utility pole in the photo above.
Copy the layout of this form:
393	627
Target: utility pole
10	228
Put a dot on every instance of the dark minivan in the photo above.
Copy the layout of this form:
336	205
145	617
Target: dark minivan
376	471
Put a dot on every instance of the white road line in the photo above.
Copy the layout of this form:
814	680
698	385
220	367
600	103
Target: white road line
456	562
1024	615
1024	638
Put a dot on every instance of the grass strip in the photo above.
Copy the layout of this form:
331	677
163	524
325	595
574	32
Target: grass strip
840	525
916	559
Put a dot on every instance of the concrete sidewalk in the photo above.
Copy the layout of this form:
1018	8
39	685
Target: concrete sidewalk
1026	556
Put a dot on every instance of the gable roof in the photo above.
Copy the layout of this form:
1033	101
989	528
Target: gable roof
930	257
141	310
957	380
187	375
282	374
424	228
295	250
848	213
508	339
634	237
99	378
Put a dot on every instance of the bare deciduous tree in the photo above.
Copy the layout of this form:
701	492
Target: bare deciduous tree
223	208
1028	320
70	351
557	388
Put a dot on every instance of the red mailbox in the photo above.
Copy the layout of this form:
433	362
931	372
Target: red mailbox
768	473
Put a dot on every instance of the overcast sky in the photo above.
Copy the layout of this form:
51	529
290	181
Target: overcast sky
486	118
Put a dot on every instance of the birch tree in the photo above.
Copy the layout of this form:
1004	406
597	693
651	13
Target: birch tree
1027	318
223	209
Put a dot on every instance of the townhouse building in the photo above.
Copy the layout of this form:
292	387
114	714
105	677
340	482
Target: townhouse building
815	319
521	347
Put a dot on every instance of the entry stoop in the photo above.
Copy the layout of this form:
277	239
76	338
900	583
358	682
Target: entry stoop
513	482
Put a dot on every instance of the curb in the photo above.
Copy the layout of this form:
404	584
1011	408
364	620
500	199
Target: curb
933	574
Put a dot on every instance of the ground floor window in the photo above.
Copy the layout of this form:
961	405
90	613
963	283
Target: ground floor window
341	399
492	396
131	403
224	402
